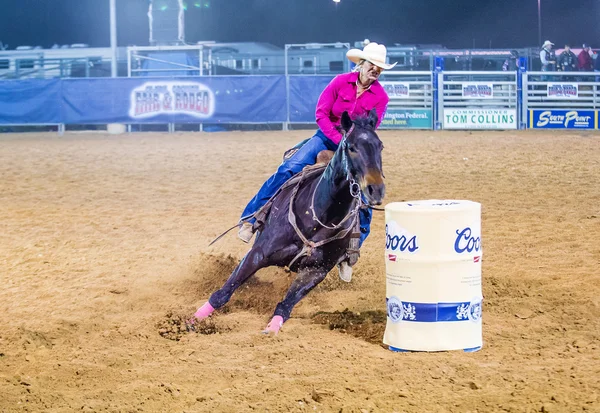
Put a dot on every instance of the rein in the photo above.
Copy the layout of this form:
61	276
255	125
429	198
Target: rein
355	192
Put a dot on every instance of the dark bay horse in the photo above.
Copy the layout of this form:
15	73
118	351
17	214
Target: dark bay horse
309	225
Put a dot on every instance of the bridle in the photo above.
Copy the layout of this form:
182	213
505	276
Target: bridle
355	190
352	216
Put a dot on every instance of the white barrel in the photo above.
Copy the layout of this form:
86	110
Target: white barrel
433	271
116	128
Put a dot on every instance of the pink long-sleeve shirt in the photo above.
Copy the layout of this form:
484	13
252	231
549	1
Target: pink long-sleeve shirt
340	96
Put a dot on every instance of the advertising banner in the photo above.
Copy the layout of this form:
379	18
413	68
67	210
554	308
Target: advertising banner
563	119
480	119
477	90
563	91
396	90
185	100
407	119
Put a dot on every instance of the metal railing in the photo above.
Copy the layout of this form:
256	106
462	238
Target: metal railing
477	100
463	100
41	68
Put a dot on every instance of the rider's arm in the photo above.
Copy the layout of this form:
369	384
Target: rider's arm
381	108
324	106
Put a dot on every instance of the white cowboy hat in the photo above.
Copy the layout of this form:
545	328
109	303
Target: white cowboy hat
373	52
547	43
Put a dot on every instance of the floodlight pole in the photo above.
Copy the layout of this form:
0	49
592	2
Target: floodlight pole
539	21
113	38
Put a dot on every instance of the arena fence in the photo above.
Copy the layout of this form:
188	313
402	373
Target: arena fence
477	100
411	100
565	100
418	100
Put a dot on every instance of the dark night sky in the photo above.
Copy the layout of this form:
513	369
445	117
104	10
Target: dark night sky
452	23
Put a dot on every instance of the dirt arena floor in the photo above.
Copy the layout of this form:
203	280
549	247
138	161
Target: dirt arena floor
104	247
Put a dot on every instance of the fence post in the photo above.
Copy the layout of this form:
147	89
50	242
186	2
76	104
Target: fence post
437	73
521	90
286	124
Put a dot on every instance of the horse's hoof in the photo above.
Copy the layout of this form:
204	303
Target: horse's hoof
204	312
274	326
345	271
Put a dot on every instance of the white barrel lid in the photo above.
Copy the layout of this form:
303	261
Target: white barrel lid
432	205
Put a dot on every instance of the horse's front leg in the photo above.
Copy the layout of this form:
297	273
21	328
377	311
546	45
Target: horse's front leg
307	279
253	261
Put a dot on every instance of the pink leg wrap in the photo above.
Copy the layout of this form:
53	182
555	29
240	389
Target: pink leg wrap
274	325
204	311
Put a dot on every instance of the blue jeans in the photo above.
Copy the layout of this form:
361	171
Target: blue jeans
306	155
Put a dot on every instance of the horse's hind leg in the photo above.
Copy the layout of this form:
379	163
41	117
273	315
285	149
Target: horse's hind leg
306	280
252	262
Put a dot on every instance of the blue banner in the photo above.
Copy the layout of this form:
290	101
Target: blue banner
563	119
216	99
304	94
30	102
234	99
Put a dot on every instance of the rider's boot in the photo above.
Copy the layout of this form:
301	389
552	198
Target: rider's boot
245	233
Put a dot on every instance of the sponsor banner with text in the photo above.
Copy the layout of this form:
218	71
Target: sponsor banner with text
480	119
563	91
477	90
563	119
396	90
407	119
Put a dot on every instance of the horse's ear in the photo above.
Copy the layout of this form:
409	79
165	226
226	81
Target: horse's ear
373	118
346	121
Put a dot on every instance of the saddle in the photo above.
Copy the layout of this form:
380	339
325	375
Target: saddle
309	171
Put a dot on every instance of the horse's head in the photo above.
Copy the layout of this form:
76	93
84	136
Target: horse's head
363	150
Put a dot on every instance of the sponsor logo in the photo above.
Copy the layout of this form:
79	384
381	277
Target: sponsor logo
396	89
479	91
475	309
395	310
407	118
397	239
159	98
568	120
562	91
466	241
480	118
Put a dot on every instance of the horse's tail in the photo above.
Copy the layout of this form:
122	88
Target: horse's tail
223	234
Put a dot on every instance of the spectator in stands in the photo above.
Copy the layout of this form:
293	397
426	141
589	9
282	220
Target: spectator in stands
567	61
462	62
586	63
357	92
511	63
547	57
597	66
